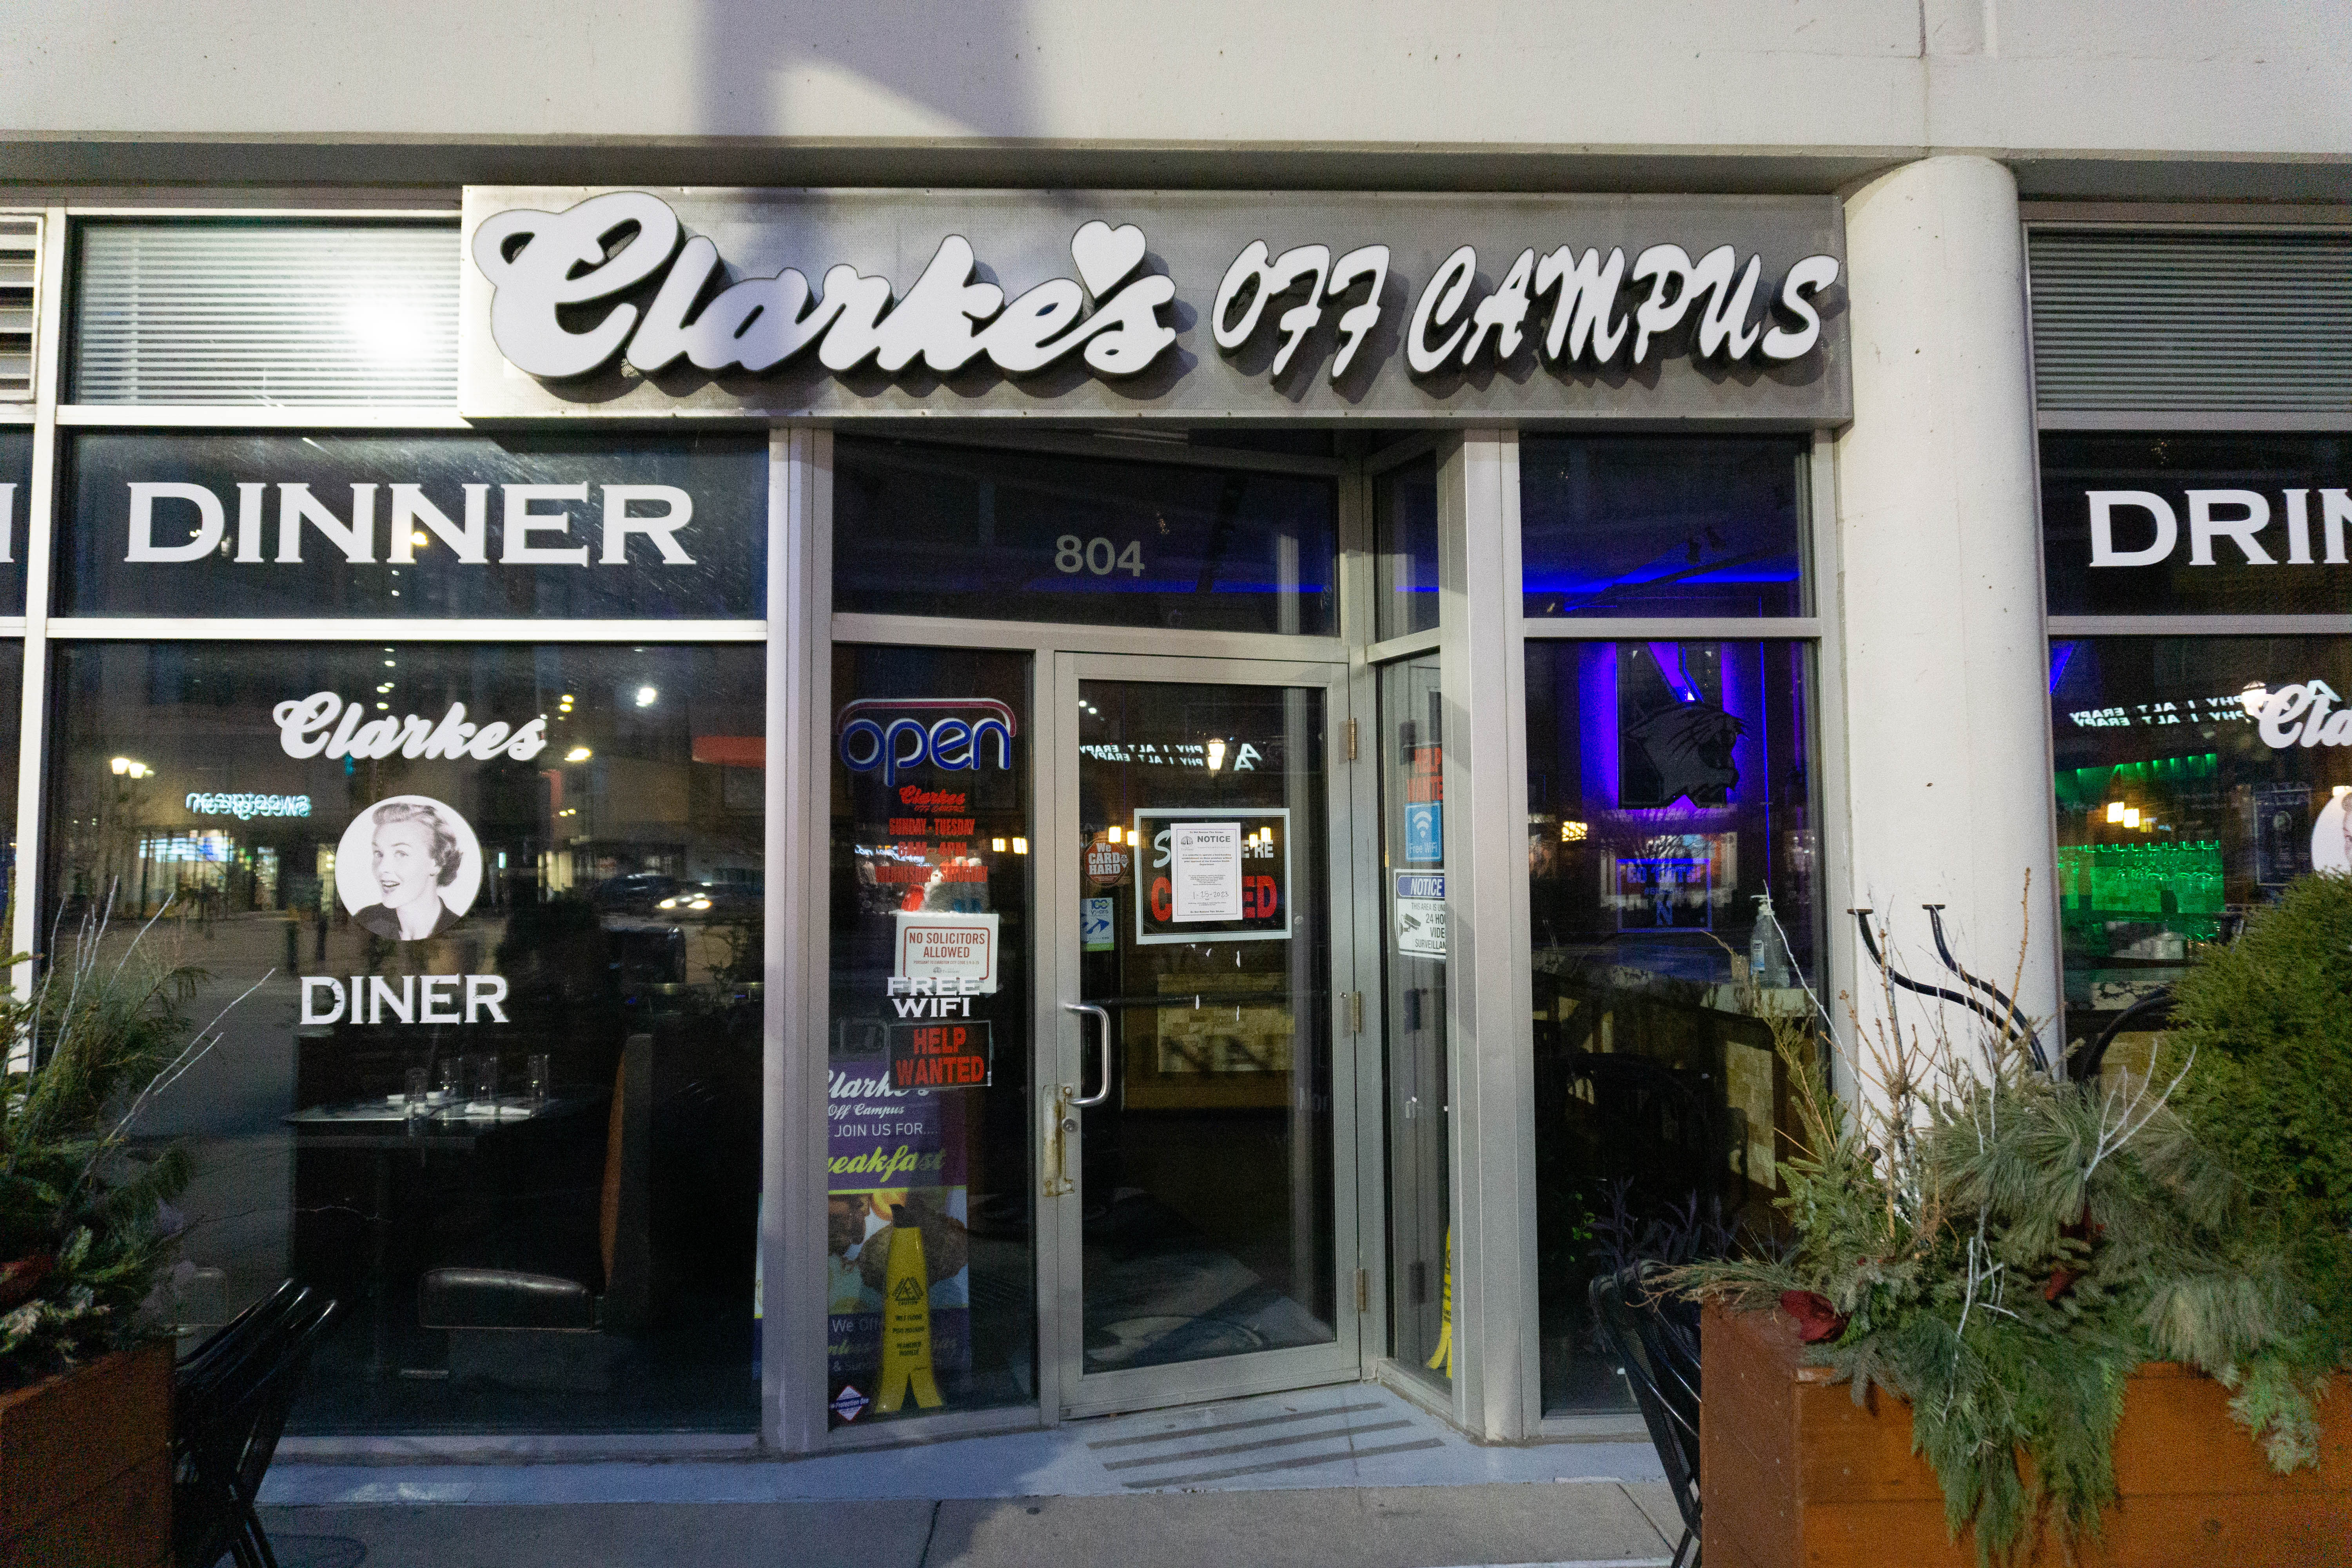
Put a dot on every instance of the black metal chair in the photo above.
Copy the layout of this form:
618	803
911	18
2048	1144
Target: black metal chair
231	1400
1655	1339
2150	1012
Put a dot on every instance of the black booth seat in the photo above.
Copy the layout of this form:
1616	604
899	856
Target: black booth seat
462	1298
504	1299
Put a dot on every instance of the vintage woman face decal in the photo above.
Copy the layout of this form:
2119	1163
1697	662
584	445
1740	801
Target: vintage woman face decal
407	868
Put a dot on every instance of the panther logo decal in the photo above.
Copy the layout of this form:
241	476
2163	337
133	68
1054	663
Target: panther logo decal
1678	751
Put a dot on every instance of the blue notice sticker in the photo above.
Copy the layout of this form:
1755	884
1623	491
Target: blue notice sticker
1424	831
1098	928
1421	885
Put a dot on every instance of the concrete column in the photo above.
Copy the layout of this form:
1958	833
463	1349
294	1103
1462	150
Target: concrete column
1939	590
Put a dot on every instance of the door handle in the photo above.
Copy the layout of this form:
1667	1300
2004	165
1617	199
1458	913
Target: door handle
1102	1039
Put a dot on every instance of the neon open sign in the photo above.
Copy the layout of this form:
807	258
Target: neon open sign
895	734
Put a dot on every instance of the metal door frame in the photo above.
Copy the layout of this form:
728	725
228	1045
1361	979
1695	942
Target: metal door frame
1069	1391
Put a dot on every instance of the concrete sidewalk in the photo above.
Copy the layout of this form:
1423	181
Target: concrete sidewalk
1584	1522
1346	1476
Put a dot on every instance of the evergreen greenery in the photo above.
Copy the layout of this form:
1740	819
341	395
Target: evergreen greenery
87	1230
2269	1022
2000	1250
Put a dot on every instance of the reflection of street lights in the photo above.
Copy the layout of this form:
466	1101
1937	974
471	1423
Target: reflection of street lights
131	771
578	754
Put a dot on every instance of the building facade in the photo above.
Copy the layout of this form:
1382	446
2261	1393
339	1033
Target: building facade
874	728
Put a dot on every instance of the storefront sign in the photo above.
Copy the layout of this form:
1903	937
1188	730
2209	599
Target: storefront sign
579	302
956	950
1419	913
1212	874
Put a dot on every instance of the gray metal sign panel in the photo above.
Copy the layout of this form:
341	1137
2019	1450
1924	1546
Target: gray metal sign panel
1187	306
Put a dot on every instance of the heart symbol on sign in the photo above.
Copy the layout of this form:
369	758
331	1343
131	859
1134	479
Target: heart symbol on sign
1106	255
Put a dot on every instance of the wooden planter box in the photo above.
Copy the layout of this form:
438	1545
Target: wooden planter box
86	1466
1791	1471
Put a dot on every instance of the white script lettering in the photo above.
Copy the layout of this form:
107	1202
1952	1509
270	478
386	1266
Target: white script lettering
310	727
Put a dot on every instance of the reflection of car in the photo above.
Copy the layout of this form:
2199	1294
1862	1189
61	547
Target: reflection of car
718	901
636	891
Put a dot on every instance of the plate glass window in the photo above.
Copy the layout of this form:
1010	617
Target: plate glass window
937	530
931	1270
1672	858
1413	972
1404	524
15	508
489	1066
1206	1180
204	311
2196	778
1652	525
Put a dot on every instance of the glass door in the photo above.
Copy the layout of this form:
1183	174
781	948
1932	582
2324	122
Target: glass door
1196	1176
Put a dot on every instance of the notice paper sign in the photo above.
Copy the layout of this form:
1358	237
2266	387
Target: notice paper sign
953	948
1205	872
1209	876
1420	914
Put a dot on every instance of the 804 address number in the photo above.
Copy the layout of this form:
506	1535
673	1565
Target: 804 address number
1100	556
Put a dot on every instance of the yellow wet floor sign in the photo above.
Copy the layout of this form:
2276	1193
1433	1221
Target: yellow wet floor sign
906	1319
1442	1358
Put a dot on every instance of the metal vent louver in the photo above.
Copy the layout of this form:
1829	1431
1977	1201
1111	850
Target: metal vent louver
2221	321
243	313
20	272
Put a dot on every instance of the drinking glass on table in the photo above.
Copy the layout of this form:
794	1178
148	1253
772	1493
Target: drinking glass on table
413	1101
449	1082
535	1077
483	1075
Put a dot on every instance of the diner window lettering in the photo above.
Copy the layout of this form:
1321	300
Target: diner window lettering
174	521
